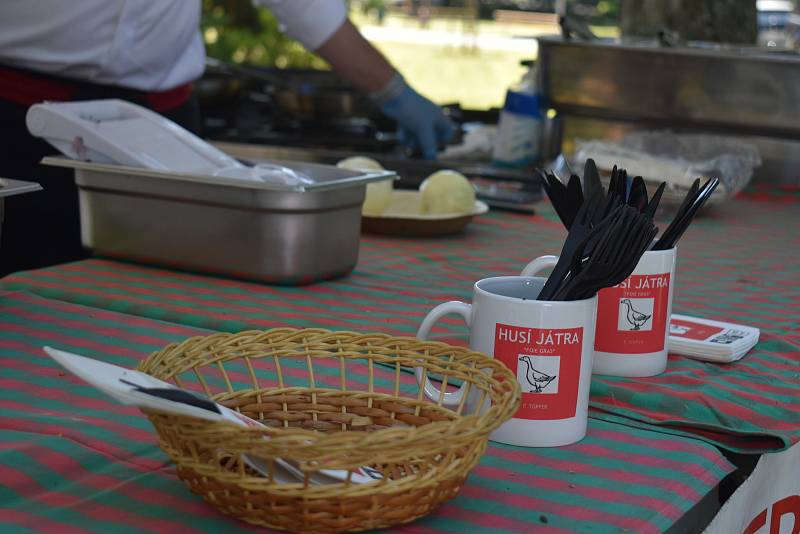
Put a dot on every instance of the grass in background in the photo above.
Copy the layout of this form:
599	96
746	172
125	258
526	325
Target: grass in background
478	79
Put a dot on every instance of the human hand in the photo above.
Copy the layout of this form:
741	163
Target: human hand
422	123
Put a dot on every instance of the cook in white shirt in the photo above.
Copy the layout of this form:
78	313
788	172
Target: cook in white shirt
148	51
155	45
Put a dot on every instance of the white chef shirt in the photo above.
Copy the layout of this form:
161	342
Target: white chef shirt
151	45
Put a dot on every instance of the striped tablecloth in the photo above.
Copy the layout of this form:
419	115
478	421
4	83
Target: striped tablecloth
738	263
71	460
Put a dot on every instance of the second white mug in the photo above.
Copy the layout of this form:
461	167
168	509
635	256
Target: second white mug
632	317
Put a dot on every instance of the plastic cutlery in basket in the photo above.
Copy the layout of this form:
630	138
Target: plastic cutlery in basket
144	391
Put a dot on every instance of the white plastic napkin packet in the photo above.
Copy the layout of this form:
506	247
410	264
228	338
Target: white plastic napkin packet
139	389
714	341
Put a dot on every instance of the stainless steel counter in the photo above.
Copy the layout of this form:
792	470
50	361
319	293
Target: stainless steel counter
605	89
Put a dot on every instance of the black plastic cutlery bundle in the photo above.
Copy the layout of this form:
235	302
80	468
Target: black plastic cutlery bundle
609	230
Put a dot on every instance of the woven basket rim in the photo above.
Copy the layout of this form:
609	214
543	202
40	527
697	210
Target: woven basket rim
427	344
298	438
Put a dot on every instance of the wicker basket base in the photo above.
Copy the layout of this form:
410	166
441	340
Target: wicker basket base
412	489
322	515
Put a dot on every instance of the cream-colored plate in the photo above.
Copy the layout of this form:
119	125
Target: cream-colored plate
403	217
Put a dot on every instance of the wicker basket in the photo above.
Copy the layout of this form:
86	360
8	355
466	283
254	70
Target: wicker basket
331	400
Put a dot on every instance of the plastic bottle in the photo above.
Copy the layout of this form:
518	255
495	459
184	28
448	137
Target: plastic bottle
520	127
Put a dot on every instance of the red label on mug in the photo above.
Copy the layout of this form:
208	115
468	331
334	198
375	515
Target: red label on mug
547	362
632	316
690	330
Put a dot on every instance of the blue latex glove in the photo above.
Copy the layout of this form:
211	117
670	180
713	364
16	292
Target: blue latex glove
422	123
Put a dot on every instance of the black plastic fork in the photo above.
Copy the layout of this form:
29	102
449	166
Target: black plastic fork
614	256
581	227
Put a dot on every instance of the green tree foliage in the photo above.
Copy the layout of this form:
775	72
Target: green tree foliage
236	31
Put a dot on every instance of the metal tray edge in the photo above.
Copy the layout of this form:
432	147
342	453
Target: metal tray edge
9	187
61	161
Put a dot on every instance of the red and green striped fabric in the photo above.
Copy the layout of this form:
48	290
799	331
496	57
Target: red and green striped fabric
768	192
738	263
71	460
752	405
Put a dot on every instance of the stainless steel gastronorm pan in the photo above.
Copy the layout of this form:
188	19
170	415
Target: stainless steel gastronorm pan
232	228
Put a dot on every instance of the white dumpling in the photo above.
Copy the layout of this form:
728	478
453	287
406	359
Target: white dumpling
447	191
379	194
359	163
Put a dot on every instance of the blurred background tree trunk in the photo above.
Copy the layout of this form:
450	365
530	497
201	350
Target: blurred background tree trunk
720	21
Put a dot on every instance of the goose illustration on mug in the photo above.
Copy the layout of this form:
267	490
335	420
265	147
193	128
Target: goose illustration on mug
635	318
537	379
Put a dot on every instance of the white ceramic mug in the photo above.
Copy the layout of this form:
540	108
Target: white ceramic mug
547	344
632	317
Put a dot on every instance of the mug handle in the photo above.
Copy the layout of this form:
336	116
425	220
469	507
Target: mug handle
455	307
540	263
